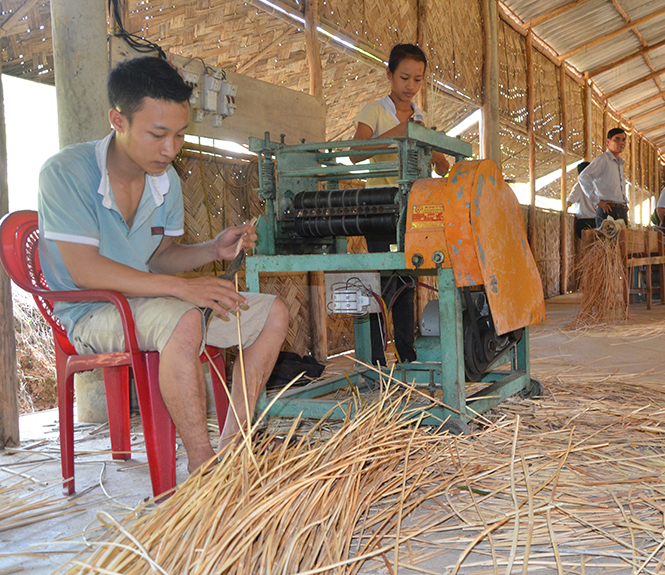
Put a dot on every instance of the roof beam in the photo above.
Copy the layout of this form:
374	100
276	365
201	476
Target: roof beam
613	34
627	58
632	107
16	17
634	83
554	13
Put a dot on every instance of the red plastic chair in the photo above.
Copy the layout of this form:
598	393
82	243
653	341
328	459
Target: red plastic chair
19	238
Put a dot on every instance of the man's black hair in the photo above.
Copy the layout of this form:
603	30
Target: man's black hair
581	166
402	52
147	77
615	131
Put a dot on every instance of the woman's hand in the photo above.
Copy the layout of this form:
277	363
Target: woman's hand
441	164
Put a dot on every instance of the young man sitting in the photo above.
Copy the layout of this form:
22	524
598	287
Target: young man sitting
109	213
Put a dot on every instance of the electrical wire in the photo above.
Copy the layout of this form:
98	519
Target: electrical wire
136	42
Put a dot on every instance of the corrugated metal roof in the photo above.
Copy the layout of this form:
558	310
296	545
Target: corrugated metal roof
622	75
634	95
567	25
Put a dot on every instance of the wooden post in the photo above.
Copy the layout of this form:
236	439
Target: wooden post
656	189
491	147
317	288
657	168
605	120
421	21
588	129
313	49
530	126
9	436
563	241
633	156
318	315
81	65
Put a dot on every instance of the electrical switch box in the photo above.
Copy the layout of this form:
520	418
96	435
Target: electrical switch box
352	293
191	78
226	102
209	93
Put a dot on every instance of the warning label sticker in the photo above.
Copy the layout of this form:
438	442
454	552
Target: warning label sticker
429	216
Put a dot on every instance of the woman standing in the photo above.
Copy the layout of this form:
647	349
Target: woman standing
388	117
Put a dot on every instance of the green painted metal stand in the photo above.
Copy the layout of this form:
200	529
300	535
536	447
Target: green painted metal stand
445	372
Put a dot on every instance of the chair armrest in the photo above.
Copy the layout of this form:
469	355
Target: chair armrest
114	297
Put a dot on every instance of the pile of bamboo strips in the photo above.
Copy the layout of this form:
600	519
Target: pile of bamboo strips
25	500
304	508
572	482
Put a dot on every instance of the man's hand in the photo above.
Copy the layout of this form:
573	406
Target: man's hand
227	243
213	292
607	206
90	270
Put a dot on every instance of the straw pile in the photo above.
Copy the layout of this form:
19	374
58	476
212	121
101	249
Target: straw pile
24	501
602	279
572	482
308	508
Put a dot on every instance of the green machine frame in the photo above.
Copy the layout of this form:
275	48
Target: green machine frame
286	170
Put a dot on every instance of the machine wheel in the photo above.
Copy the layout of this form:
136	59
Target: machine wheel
536	391
456	427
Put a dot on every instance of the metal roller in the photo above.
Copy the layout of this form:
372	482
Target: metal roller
322	226
348	198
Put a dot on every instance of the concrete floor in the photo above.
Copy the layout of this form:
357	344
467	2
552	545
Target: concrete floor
118	487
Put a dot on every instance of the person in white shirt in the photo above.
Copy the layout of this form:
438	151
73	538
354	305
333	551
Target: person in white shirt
658	217
603	181
385	118
584	210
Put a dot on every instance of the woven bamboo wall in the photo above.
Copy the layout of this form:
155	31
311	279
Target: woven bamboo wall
370	21
455	51
548	251
575	117
514	154
512	74
548	160
225	190
597	123
547	117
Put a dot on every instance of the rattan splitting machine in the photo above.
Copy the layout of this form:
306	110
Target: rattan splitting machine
466	229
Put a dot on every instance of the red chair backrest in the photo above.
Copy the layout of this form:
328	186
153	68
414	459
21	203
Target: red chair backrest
19	253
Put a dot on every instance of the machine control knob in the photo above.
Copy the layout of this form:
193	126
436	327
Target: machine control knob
437	257
417	260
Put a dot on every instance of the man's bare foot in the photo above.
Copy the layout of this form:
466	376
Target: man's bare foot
206	458
227	442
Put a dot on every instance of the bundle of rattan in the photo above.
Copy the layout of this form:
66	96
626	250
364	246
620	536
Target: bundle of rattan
602	282
303	508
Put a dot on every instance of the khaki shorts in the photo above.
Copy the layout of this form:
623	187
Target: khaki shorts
155	318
